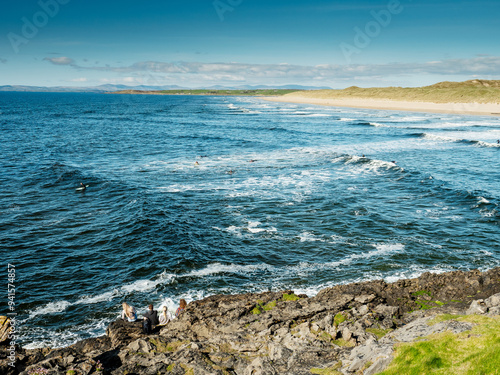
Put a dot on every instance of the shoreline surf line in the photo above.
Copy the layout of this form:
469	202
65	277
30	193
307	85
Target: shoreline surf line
473	109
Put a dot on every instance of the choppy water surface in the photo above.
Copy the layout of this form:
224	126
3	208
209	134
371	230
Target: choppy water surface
283	196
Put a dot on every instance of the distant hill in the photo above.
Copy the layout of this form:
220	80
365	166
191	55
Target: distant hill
96	89
112	88
224	92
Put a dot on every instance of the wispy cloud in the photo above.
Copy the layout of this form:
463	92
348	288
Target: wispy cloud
60	60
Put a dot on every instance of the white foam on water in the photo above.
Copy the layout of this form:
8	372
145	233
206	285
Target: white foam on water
435	137
444	125
294	186
373	166
482	200
486	144
43	338
485	252
255	230
381	250
139	286
50	308
310	237
415	271
488	213
316	115
466	137
104	297
218	268
396	118
251	227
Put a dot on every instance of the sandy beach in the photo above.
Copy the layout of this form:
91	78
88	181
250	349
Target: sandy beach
484	109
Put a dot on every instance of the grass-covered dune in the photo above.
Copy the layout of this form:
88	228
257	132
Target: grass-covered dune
473	91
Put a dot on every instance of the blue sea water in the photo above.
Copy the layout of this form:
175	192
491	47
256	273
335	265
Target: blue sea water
284	196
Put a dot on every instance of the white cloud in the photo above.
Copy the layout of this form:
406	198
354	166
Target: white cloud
162	72
60	60
83	79
478	65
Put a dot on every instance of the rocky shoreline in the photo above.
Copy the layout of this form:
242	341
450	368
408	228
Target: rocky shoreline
346	329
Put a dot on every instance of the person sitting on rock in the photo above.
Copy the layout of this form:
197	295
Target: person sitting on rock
128	313
182	307
152	315
164	316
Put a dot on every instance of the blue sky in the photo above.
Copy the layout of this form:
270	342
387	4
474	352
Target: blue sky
200	43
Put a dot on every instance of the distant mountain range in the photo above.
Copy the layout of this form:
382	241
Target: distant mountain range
111	88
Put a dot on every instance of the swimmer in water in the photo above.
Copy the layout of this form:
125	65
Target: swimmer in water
196	163
230	172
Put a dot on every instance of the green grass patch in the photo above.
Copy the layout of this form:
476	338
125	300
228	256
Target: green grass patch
344	343
443	318
325	371
325	336
271	305
256	310
427	305
379	332
339	318
160	346
424	305
188	370
421	293
171	367
174	345
290	297
471	352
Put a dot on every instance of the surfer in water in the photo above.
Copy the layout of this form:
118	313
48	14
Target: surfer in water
82	186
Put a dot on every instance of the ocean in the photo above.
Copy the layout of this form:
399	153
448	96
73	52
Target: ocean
190	196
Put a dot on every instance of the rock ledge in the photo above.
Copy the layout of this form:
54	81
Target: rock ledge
347	329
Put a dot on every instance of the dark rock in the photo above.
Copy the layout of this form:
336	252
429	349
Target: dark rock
279	332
